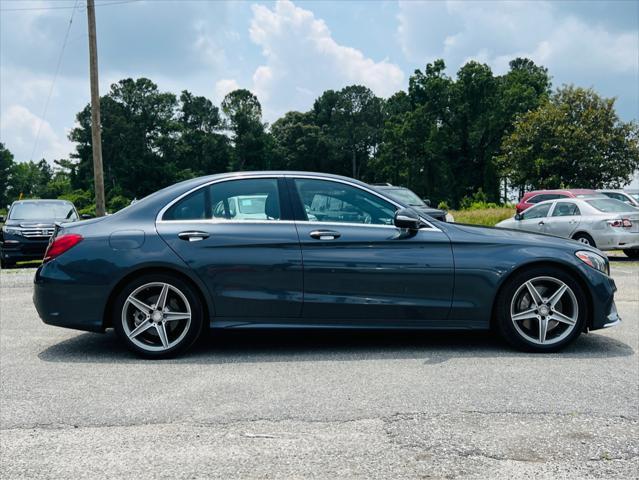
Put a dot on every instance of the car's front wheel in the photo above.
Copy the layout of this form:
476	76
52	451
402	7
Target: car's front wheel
542	309
632	252
158	315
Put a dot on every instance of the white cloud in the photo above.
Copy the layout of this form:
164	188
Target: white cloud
496	32
302	56
20	127
224	86
207	46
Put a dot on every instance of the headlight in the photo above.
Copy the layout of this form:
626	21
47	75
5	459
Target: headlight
595	261
12	231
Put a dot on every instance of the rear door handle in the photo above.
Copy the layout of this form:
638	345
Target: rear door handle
193	236
325	234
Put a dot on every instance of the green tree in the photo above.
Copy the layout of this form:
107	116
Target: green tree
6	166
299	144
574	140
244	119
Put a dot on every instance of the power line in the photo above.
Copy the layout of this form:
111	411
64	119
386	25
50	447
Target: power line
55	77
65	7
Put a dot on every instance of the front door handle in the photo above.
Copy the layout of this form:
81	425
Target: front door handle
541	223
193	236
325	234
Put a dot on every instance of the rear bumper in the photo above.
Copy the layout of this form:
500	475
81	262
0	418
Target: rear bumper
64	302
619	240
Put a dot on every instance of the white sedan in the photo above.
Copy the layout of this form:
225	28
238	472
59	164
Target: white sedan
603	223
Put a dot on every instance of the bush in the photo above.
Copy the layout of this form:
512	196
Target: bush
484	216
443	206
80	198
89	210
118	202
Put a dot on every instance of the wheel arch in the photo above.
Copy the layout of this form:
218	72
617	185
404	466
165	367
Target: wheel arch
567	268
207	307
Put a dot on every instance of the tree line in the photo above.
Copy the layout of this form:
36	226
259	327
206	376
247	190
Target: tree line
447	138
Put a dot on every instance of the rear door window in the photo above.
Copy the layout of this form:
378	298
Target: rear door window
565	209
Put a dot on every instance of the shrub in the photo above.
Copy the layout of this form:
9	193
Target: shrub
484	216
80	198
443	206
118	202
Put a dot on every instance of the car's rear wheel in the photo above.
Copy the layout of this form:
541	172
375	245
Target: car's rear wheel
585	239
158	315
632	252
542	309
6	264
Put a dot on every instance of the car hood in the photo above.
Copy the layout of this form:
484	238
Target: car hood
41	223
521	237
429	210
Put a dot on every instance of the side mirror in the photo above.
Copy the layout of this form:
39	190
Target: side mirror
426	201
86	216
407	218
518	216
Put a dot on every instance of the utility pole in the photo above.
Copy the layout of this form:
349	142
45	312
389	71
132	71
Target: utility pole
96	137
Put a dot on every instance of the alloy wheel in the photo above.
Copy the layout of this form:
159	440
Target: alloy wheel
544	310
156	316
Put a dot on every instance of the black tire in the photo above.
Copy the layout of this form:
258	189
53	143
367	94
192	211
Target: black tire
6	264
186	339
504	300
632	252
585	239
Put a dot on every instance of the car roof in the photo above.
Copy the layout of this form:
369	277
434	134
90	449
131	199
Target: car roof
36	200
575	191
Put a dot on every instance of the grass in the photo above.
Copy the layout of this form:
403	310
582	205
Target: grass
486	216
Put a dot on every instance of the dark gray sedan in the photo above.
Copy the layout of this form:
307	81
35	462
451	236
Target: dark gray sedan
307	250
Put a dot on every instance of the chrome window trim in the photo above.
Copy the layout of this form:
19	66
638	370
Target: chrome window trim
158	218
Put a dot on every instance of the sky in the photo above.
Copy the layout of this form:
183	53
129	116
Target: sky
288	53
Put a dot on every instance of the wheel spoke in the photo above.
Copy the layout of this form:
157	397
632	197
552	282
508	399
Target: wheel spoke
557	295
143	307
162	298
143	327
536	297
543	329
525	315
161	329
560	317
172	316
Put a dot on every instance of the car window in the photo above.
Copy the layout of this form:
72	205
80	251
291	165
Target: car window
565	209
244	199
543	197
609	205
539	211
328	201
43	210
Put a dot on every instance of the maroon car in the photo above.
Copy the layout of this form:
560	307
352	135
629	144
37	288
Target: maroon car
531	198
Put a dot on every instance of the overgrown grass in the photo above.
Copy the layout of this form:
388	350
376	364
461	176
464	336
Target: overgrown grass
483	216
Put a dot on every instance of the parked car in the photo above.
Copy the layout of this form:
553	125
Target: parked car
604	223
622	196
410	198
537	196
28	227
163	269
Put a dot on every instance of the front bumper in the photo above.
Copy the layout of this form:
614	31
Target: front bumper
604	311
18	249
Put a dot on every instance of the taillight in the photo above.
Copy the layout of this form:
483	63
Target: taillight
621	222
61	244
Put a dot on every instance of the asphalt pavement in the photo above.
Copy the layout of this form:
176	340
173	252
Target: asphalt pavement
317	404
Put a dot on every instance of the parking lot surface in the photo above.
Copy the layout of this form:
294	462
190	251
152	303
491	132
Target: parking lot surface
317	404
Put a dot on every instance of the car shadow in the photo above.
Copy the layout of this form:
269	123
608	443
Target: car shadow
221	347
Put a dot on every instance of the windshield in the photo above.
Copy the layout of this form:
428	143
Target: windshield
43	211
405	195
609	205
